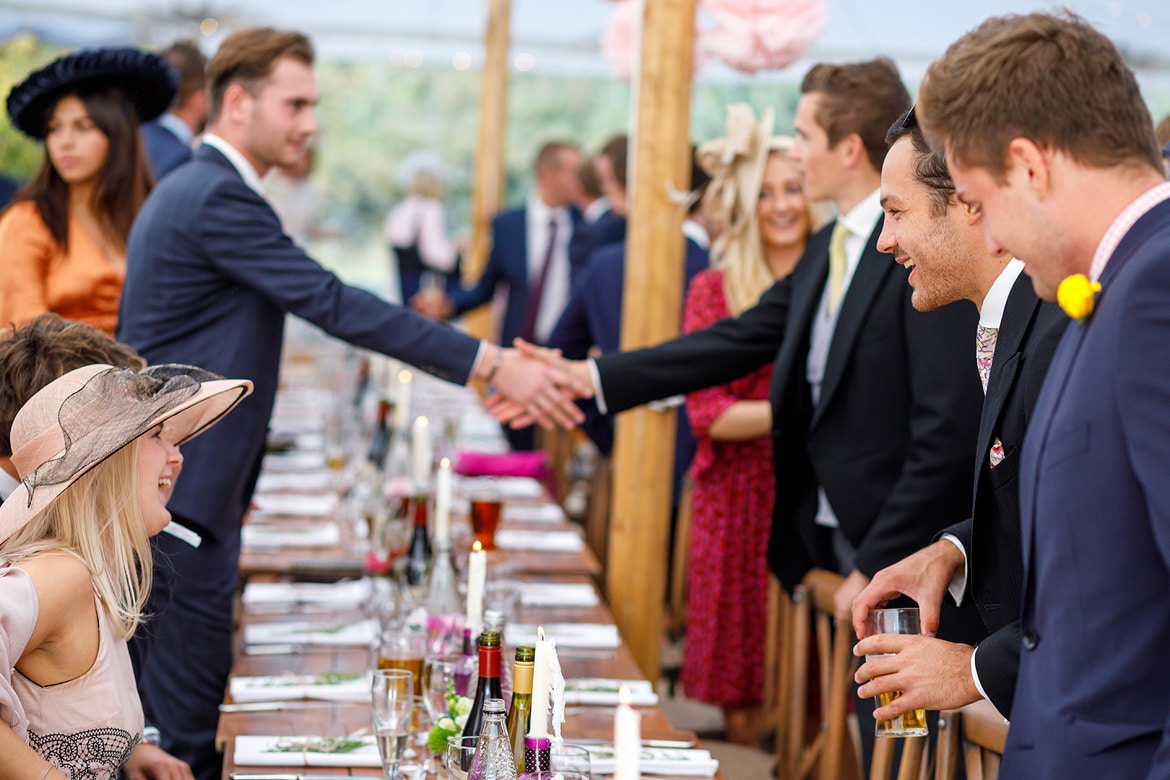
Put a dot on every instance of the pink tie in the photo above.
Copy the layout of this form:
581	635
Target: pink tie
984	353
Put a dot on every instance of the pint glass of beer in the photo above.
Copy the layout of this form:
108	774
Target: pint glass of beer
897	621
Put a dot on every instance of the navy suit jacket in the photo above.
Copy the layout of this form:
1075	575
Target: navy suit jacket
593	317
1093	696
507	264
1028	335
890	441
610	228
210	278
164	150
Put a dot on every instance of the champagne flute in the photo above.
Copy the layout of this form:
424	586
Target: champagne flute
392	705
438	671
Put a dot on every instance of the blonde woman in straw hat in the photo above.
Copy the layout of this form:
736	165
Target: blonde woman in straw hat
756	194
97	455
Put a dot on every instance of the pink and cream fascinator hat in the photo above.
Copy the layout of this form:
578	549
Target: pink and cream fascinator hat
83	417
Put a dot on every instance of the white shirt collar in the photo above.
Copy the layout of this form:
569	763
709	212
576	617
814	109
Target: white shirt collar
862	219
177	127
238	161
991	312
541	212
7	484
697	233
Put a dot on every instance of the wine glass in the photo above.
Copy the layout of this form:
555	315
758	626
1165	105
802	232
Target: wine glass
460	752
569	758
392	705
438	671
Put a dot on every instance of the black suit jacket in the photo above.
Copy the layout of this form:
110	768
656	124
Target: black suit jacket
1028	335
898	413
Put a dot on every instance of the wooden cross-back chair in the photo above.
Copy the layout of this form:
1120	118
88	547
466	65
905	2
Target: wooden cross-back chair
975	735
826	750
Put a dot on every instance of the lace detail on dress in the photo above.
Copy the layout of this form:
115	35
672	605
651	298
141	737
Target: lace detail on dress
95	754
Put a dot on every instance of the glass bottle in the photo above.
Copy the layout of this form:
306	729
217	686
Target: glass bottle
493	620
465	667
418	555
493	753
444	609
380	441
488	686
521	710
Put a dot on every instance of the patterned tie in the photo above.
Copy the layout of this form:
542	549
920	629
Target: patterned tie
984	354
536	291
837	265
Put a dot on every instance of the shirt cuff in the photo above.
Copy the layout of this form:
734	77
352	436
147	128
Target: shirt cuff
958	585
480	356
598	394
975	677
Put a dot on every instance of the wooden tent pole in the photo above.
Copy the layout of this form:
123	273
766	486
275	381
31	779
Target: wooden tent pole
644	443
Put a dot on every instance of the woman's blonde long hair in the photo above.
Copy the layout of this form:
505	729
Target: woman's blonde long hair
736	164
98	518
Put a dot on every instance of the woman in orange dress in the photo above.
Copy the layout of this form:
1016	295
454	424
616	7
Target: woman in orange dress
63	239
756	194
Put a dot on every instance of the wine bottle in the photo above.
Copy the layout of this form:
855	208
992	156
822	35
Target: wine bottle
521	709
488	686
493	620
363	383
493	753
380	442
418	555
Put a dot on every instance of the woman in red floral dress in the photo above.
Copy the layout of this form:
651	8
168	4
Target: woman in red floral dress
757	196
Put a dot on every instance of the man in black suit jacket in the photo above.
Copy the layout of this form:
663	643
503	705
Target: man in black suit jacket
942	243
168	139
211	277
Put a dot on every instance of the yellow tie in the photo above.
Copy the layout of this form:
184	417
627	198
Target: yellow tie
837	265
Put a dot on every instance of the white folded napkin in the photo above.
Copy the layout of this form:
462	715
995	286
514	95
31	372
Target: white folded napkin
508	487
286	687
299	632
280	482
263	751
530	513
603	691
299	504
558	594
319	535
658	761
598	636
294	461
348	593
544	541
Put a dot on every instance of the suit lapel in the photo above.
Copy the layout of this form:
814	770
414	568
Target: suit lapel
1018	312
872	269
808	284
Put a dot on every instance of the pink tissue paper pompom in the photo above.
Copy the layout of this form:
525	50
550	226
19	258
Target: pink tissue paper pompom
619	41
755	35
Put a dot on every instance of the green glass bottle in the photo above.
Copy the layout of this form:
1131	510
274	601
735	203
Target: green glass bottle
520	712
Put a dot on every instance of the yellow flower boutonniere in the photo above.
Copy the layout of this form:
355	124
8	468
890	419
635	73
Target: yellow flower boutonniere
1076	294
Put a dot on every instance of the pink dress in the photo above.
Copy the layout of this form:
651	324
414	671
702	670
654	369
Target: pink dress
86	727
734	491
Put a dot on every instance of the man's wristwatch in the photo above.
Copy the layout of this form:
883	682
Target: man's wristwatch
151	735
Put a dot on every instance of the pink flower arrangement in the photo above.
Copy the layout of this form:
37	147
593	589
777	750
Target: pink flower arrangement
619	41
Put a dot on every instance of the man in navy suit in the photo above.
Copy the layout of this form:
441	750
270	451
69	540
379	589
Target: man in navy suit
942	244
211	277
609	226
168	139
529	258
1046	133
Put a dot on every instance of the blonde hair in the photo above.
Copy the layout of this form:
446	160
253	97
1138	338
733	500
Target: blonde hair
427	184
98	518
741	252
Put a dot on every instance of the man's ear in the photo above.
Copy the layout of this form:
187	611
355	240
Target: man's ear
1030	166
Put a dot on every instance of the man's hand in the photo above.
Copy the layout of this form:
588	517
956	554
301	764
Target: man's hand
573	380
923	576
432	303
150	762
536	390
843	598
931	674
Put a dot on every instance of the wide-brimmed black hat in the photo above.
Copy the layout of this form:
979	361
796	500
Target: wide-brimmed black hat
147	79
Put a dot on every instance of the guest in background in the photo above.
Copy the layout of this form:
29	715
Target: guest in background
609	226
64	236
170	138
529	258
592	321
592	202
98	452
8	188
1162	130
757	188
416	228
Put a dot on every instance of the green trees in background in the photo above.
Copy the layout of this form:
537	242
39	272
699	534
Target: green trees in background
19	55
